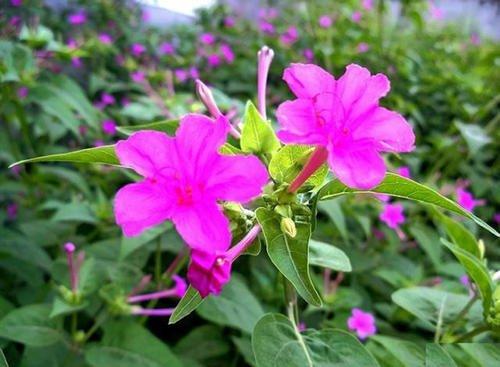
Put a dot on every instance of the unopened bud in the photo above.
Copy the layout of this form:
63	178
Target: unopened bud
207	98
288	227
480	244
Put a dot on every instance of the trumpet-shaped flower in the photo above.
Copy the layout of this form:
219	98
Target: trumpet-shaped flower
184	178
362	322
344	117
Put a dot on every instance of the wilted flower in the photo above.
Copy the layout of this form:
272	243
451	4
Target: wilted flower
77	18
105	38
166	48
137	49
362	322
344	120
109	127
207	38
363	47
325	21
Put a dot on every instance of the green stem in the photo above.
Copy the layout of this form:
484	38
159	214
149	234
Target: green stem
459	319
74	323
101	317
469	335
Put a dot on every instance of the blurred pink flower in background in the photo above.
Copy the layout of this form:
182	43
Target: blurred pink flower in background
145	16
227	52
356	16
98	143
107	99
467	200
22	92
72	44
137	49
76	62
266	27
475	39
213	60
16	2
77	18
363	323
308	54
207	38
138	76
166	48
229	22
435	12
404	171
181	75
363	47
194	73
367	5
109	127
325	21
12	210
290	36
105	38
393	215
268	13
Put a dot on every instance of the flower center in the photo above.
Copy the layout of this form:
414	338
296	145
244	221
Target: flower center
184	195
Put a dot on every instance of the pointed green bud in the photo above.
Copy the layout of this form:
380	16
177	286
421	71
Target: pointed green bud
288	227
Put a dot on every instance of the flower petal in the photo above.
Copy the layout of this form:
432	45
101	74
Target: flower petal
237	178
308	80
146	152
389	129
361	168
142	205
203	226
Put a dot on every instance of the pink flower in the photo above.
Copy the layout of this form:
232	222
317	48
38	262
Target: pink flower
362	322
181	75
290	36
76	62
363	47
167	48
98	143
184	178
367	5
404	171
266	27
178	291
465	281
344	118
22	92
496	218
137	49
392	215
356	17
467	200
72	44
435	12
194	73
12	209
77	18
229	22
145	16
308	54
227	52
268	13
475	39
138	76
207	38
105	38
107	99
213	60
109	127
325	21
16	2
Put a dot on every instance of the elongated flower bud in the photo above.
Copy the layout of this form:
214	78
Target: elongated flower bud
70	248
264	59
288	227
206	97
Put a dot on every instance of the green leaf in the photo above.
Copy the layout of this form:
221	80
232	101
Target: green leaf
3	360
30	325
334	211
459	235
78	212
477	271
428	239
436	356
236	306
328	256
186	305
89	277
487	354
257	135
289	255
130	244
166	126
408	353
286	164
474	135
405	188
128	344
104	155
276	342
204	342
61	307
428	303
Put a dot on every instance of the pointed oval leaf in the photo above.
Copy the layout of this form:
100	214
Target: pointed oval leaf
166	126
328	256
186	305
257	135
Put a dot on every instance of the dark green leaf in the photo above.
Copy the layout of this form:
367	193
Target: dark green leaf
436	356
167	126
428	239
202	343
186	305
407	353
328	256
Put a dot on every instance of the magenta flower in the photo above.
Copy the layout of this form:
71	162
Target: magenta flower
467	200
16	2
15	21
72	44
184	177
22	92
207	38
166	48
178	291
109	127
290	36
308	54
266	27
435	12
107	99
393	215
363	47
145	16
213	60
465	281
325	21
367	5
344	118
105	38
137	49
73	267
181	75
496	218
362	322
227	53
229	22
76	62
194	73
12	209
268	13
138	76
77	18
404	171
356	17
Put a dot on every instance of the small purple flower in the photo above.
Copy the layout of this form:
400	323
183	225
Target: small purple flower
213	60
77	18
268	13
229	22
266	27
181	75
76	62
301	327
362	322
16	2
465	281
467	200
309	55
363	47
22	92
356	17
367	5
435	12
12	209
138	76
109	127
72	44
194	73
107	99
207	38
227	53
325	21
105	38
404	171
137	49
145	16
290	36
166	48
393	215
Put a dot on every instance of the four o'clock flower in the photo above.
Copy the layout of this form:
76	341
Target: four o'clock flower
137	49
184	178
109	127
325	21
264	59
177	291
105	38
207	38
467	200
343	119
77	18
363	323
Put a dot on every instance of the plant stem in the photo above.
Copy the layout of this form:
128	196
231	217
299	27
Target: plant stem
469	335
98	322
459	319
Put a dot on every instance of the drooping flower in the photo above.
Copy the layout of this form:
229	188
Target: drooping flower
404	171
77	18
227	53
343	118
393	215
105	38
109	127
184	178
363	47
325	21
207	38
356	16
363	323
137	49
467	200
166	48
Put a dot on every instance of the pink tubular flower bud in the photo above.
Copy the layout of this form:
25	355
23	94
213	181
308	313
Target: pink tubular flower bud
70	248
206	97
152	312
318	157
264	59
